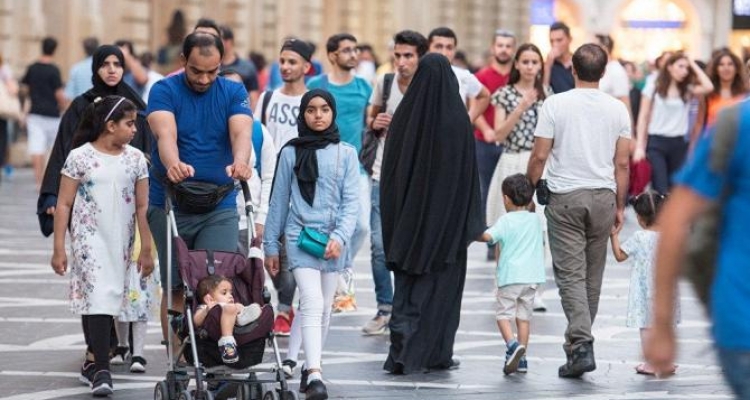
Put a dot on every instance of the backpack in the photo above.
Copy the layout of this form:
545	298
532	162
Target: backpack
370	137
703	240
258	143
264	107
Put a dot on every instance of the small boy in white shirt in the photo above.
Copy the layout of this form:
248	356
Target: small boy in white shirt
520	267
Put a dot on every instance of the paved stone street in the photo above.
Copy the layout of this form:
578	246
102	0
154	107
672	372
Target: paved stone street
41	344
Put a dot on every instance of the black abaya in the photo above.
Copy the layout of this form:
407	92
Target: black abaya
431	211
69	125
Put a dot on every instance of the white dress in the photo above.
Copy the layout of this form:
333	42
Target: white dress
102	226
641	248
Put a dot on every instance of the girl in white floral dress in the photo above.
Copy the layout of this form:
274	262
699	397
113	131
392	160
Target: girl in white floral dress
103	193
641	247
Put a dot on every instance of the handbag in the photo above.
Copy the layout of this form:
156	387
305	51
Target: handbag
313	241
10	105
703	240
640	176
198	197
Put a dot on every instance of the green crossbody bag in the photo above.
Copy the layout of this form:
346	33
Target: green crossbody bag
313	241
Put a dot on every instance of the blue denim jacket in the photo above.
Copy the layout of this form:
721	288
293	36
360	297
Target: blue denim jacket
334	210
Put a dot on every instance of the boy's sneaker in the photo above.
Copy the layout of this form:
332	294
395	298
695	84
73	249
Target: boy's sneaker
138	365
287	366
539	305
87	372
378	325
249	314
120	356
523	365
513	357
102	384
229	354
282	325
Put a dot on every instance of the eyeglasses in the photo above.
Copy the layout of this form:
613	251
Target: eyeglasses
348	51
505	33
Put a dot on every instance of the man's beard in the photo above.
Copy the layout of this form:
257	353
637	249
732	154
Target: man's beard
504	62
346	67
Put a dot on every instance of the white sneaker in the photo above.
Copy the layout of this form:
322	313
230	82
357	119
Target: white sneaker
249	314
139	365
121	355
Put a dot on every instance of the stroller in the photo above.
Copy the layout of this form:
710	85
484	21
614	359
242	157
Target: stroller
213	378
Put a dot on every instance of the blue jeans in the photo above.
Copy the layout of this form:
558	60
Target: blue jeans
380	274
736	366
363	220
488	154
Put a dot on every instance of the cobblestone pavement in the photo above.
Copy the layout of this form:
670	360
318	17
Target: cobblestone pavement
41	343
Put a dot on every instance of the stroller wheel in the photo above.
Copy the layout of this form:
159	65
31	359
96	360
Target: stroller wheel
289	395
269	392
161	391
271	395
185	395
244	392
204	394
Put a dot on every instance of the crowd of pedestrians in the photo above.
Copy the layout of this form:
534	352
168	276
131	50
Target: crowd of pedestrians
530	154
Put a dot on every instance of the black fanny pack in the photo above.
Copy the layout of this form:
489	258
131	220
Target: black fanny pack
197	197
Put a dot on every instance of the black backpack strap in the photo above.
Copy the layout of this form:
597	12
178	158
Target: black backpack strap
387	83
264	106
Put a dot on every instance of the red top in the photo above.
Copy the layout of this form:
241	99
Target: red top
492	80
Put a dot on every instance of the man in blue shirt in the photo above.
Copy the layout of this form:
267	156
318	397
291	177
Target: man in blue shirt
558	67
697	185
201	128
352	95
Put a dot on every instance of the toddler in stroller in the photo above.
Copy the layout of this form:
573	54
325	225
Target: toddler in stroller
213	291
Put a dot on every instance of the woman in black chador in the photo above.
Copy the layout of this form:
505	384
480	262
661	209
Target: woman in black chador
107	68
431	212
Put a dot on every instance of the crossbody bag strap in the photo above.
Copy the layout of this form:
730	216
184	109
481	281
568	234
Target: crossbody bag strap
335	181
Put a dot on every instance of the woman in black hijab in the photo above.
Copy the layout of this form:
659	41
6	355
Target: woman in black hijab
315	187
107	68
431	211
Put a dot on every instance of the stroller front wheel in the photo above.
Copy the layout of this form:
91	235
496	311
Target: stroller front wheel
185	395
161	391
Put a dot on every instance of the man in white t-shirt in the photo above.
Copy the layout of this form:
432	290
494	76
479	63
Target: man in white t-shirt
586	135
278	111
444	41
409	47
615	81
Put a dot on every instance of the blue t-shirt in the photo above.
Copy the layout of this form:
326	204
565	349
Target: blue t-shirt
351	103
520	236
202	130
731	287
561	78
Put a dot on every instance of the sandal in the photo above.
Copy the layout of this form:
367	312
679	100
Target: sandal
644	369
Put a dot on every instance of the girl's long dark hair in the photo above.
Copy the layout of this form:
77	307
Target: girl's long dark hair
665	78
739	83
515	74
93	122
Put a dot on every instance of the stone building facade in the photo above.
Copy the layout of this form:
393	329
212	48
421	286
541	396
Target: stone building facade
260	25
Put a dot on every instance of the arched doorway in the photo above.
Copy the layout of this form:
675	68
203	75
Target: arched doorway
646	28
